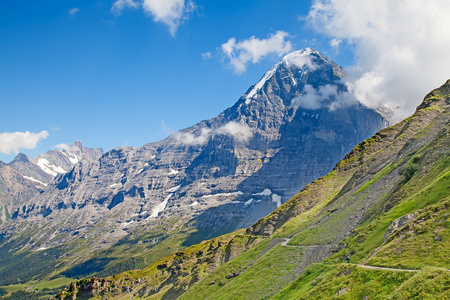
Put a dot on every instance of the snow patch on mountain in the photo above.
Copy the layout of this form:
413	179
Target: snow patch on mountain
266	192
127	223
160	207
73	158
261	83
35	180
248	202
238	193
173	172
174	189
276	199
48	168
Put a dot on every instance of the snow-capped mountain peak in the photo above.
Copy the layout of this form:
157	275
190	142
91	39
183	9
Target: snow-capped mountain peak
294	71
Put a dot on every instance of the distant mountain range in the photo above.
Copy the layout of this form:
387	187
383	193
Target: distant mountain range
132	206
24	177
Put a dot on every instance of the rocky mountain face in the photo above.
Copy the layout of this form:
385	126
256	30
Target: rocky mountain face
376	227
24	177
209	179
14	190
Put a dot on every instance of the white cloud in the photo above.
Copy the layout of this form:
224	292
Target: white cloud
310	99
62	146
241	133
252	50
169	12
120	5
13	141
401	47
73	11
300	60
188	138
326	96
335	43
206	55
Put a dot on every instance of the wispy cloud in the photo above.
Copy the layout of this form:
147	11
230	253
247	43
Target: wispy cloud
169	12
206	55
326	96
335	43
241	54
13	141
167	129
401	47
240	132
120	5
73	11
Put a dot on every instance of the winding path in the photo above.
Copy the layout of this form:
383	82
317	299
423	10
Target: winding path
387	269
287	240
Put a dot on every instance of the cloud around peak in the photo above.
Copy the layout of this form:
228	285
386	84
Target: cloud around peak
400	46
326	96
240	132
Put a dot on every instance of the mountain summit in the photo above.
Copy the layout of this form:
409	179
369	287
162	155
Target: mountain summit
219	175
297	69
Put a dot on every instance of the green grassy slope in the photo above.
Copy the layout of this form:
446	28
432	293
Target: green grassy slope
297	251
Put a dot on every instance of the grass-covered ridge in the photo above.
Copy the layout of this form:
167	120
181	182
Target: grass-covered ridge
403	169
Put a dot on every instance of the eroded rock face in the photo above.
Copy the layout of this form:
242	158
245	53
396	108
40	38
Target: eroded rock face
220	174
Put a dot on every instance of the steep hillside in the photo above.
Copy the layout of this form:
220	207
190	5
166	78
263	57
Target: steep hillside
134	206
376	227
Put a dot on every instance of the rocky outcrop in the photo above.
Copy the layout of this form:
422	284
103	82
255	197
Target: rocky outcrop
399	223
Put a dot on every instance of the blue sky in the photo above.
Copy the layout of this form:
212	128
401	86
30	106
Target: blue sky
127	72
